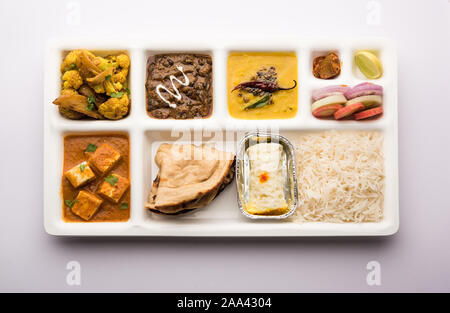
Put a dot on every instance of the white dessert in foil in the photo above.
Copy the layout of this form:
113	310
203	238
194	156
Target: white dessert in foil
266	180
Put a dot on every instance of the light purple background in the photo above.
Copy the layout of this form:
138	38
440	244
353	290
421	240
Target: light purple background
416	259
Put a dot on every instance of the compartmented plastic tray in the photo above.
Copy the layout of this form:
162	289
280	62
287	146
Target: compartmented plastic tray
222	217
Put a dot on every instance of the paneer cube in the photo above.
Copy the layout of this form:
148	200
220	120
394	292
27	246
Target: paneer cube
114	187
104	158
80	175
86	204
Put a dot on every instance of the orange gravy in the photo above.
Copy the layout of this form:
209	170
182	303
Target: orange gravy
74	146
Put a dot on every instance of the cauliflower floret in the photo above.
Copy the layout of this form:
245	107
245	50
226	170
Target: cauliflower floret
69	92
114	108
121	76
72	79
109	87
105	63
72	61
118	86
123	61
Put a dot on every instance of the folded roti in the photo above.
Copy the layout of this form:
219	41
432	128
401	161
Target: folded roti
189	177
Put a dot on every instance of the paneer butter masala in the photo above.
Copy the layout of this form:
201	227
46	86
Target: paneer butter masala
95	184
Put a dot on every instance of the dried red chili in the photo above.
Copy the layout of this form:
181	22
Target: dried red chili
264	86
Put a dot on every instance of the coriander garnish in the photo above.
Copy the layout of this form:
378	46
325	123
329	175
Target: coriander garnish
70	203
90	148
116	94
124	206
91	102
127	91
111	179
82	167
73	66
107	77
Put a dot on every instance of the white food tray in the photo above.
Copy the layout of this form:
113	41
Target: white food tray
222	217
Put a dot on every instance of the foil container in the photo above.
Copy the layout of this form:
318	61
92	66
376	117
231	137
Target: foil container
288	170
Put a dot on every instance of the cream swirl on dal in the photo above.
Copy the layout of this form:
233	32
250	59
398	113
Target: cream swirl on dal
177	94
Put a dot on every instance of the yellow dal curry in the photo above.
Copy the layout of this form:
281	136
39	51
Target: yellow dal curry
242	66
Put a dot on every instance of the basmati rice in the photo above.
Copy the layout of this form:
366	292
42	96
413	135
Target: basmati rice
340	177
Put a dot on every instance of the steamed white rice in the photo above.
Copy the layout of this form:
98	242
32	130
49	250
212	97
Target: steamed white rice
340	177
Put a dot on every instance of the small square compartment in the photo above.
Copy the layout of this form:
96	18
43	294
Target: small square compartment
357	72
72	144
175	91
98	52
235	106
324	52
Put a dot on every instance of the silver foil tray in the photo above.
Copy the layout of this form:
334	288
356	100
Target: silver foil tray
243	173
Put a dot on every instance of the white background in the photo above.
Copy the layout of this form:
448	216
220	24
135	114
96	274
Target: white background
417	258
